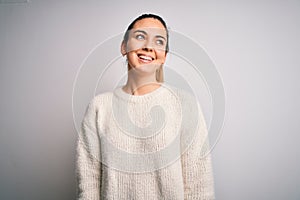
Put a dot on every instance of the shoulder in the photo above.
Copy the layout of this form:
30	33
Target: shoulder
183	95
188	100
101	98
100	101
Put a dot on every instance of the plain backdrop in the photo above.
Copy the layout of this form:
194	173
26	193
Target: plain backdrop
255	46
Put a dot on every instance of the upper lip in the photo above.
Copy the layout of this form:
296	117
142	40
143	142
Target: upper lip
143	54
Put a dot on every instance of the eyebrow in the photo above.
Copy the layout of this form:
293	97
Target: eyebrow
144	32
162	37
140	31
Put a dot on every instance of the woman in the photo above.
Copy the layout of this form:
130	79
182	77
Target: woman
144	140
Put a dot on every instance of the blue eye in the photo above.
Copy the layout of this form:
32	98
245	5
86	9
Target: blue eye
159	42
140	37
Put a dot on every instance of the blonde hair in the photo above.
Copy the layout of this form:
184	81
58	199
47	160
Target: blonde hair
160	74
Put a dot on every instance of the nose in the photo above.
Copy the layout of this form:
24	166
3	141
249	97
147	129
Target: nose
147	49
148	46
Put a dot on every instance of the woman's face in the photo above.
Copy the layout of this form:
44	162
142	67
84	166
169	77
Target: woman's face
146	45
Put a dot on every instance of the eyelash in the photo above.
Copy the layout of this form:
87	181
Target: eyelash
142	37
160	42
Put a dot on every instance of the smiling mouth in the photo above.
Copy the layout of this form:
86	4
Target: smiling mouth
145	58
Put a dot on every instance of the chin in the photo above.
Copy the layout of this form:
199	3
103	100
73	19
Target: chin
146	68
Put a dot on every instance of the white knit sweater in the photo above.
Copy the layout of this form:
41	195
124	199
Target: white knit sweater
127	151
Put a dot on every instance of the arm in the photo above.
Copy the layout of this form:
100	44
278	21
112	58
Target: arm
87	157
197	166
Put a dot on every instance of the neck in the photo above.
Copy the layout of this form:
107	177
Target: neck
139	85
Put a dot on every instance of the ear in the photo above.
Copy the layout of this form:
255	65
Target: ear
123	48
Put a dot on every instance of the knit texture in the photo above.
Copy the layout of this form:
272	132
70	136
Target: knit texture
165	170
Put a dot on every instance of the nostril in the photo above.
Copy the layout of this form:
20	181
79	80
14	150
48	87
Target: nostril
147	49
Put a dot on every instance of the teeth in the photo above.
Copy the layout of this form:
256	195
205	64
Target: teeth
145	57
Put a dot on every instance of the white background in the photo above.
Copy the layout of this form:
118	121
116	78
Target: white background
254	44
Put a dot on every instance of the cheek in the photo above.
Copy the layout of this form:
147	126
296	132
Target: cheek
130	57
133	45
161	55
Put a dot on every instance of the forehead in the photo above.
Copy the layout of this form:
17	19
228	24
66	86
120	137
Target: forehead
150	25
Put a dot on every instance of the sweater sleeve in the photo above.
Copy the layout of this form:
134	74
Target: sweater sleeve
87	157
197	166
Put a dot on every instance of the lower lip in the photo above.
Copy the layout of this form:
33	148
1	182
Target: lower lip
144	61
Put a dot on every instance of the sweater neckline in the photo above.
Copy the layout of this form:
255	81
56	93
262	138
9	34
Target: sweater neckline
139	98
